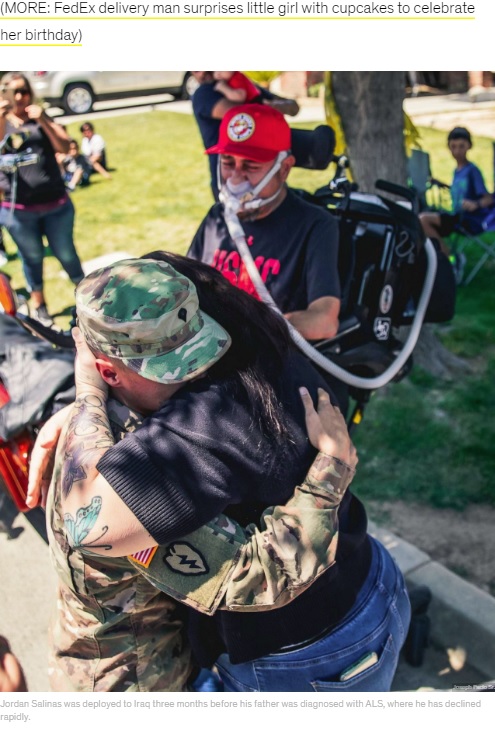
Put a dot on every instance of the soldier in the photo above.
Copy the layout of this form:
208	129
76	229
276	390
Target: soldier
115	630
228	436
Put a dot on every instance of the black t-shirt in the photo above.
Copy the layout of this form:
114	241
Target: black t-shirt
37	183
295	249
204	453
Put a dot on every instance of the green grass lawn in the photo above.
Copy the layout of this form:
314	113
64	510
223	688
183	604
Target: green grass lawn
421	439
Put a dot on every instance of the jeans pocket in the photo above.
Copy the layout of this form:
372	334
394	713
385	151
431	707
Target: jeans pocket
377	677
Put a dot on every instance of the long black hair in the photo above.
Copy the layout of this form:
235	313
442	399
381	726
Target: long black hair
260	345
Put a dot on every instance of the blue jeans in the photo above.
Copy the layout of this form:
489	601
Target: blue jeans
27	230
378	623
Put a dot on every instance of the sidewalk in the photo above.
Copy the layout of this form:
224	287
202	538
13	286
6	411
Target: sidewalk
462	621
439	112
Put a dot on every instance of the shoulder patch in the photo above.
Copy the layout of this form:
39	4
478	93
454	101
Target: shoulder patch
144	557
183	558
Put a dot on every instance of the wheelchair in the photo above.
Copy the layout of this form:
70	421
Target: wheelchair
391	276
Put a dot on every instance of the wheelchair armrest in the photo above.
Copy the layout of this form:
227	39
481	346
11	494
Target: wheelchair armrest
347	324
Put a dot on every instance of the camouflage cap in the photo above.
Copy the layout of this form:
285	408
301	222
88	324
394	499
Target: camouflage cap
147	315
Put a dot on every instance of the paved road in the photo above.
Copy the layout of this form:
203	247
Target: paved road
439	112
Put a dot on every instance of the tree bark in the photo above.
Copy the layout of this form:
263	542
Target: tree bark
431	355
370	106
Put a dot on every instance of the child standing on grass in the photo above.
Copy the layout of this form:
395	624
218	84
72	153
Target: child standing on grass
471	201
236	87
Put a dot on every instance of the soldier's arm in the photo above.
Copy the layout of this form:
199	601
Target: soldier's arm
222	566
298	542
96	519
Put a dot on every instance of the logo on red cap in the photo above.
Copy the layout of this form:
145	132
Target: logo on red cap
241	127
253	131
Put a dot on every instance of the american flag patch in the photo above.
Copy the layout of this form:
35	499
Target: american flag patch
144	557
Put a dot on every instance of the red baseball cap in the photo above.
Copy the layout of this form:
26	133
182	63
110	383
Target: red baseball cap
253	131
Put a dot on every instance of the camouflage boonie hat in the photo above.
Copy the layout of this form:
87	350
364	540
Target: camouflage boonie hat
147	315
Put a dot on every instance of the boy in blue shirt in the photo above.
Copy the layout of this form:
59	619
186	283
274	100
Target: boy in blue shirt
471	200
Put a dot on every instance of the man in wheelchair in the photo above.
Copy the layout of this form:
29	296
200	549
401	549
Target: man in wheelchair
376	281
294	244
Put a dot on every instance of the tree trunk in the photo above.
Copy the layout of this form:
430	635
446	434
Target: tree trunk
431	355
370	106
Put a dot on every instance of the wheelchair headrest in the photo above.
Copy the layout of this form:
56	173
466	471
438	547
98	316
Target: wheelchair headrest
313	148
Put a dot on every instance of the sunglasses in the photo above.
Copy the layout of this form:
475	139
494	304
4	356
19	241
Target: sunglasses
23	92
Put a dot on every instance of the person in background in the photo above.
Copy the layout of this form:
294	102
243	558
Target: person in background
294	243
236	87
471	201
94	149
74	167
41	207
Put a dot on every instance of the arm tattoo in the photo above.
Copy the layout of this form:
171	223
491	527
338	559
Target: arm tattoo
80	527
88	434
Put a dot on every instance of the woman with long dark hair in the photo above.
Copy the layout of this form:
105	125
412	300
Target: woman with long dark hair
41	207
230	440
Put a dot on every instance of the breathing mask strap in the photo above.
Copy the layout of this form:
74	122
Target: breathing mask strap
251	201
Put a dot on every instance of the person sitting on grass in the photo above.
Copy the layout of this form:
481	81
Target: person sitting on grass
74	168
471	201
93	148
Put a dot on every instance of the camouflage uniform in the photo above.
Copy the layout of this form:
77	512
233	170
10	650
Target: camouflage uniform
221	566
113	630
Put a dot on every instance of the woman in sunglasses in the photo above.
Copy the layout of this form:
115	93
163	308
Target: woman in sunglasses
41	206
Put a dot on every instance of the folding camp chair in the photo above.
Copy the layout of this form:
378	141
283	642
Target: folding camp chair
432	195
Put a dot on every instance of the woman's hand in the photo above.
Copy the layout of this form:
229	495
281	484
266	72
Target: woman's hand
327	429
42	459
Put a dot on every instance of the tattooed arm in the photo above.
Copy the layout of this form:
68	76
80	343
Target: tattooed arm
95	517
